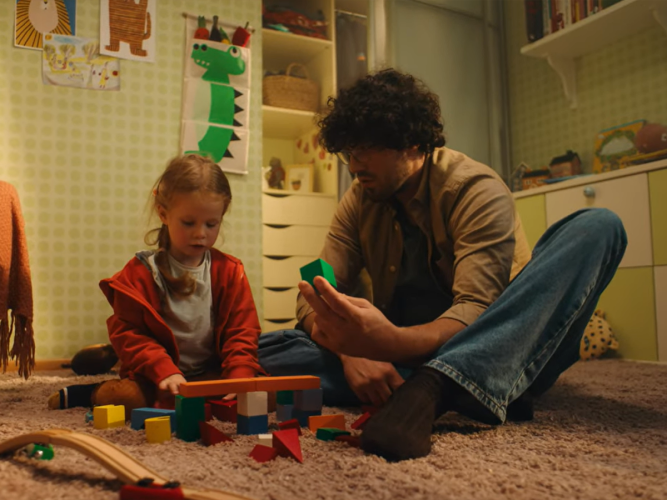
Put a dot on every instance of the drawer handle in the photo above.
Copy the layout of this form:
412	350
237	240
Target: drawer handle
589	192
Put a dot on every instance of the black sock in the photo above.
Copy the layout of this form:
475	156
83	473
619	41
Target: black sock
77	395
402	428
521	409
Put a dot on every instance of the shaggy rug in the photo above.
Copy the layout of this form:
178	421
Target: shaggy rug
601	432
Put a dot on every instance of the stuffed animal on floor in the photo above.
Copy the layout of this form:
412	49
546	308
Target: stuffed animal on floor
598	337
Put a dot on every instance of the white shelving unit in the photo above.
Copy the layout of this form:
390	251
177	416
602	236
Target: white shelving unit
599	30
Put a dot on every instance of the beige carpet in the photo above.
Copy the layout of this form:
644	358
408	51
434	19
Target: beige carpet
600	433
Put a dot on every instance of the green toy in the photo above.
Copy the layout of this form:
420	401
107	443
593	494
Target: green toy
285	397
328	434
40	451
189	412
318	268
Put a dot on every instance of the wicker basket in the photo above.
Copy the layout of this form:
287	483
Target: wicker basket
286	91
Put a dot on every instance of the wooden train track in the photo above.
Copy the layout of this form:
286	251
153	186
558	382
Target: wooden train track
124	466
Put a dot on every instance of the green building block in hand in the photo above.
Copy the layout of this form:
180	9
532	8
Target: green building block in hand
318	268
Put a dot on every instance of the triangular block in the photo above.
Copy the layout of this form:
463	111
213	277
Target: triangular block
288	445
224	410
261	453
210	435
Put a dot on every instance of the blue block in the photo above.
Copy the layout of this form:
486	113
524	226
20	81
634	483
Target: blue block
139	416
302	416
308	400
89	416
284	413
259	424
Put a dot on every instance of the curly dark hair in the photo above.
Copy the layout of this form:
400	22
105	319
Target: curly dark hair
387	109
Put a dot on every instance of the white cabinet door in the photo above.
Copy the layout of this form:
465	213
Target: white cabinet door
280	304
661	310
298	209
627	197
280	272
294	240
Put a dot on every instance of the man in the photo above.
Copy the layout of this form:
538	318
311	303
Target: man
458	309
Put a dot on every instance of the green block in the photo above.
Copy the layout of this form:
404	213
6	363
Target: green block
189	412
41	451
285	398
318	268
328	434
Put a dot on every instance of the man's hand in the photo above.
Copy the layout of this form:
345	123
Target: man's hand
172	383
348	325
372	381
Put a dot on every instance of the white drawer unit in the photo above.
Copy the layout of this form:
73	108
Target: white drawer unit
661	310
628	197
300	241
273	325
280	304
284	272
298	209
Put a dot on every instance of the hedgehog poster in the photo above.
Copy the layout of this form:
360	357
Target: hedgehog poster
36	18
216	100
128	29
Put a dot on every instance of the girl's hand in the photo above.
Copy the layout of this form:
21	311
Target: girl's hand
172	383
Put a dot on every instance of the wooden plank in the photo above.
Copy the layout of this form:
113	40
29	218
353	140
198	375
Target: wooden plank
299	383
207	388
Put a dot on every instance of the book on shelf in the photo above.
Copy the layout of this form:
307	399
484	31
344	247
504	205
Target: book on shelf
544	17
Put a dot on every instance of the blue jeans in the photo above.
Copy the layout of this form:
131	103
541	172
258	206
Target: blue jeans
522	342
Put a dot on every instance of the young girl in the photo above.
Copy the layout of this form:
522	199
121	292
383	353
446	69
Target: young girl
183	311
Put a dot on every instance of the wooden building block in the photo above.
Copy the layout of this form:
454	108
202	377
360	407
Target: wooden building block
209	388
308	400
108	416
288	445
303	416
290	424
261	453
210	435
318	267
265	439
224	411
361	421
208	412
189	412
284	412
258	424
329	434
158	429
285	397
332	421
139	416
251	404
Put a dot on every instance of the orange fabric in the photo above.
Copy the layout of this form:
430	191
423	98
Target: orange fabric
15	285
146	345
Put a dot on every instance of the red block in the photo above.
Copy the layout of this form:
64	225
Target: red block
208	412
150	492
287	444
290	424
351	440
224	410
263	453
361	421
210	435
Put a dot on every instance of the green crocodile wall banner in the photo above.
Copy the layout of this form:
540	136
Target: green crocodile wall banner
216	100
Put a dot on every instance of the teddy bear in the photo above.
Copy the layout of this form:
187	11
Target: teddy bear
598	337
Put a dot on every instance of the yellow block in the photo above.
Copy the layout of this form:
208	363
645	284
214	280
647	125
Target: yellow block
108	416
158	429
329	421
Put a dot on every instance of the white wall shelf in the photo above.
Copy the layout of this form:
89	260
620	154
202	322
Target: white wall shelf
285	48
597	31
282	123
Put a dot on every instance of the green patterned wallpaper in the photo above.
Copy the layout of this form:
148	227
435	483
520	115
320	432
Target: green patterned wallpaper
618	84
83	163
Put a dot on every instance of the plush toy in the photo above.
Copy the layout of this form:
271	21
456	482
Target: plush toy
598	337
651	137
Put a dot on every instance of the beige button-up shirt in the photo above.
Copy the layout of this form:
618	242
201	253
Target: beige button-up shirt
476	243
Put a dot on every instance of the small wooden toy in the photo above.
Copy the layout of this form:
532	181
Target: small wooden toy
158	429
147	489
189	412
108	416
224	411
265	439
331	421
284	412
257	424
318	268
287	444
261	453
40	451
252	403
329	434
139	416
308	400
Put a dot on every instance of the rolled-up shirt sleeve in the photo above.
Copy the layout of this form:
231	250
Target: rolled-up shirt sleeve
481	224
